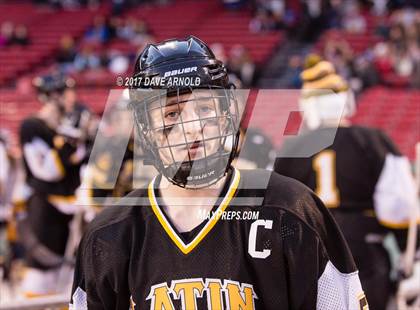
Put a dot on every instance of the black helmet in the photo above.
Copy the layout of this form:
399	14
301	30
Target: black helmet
51	84
172	69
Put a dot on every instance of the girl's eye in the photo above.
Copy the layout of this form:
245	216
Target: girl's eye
172	114
206	109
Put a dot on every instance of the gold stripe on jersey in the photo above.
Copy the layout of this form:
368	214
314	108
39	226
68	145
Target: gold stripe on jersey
61	199
58	163
369	213
187	248
318	71
327	85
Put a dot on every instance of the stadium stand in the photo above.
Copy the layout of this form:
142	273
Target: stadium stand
396	111
209	21
45	30
359	42
226	27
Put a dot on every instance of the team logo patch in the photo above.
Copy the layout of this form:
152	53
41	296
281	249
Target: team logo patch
232	294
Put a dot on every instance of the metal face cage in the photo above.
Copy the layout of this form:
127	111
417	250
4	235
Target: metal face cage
190	135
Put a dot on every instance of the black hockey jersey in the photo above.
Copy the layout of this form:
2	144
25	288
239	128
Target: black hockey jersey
36	135
292	256
109	177
53	179
363	179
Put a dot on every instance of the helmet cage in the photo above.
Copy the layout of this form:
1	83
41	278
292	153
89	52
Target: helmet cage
190	172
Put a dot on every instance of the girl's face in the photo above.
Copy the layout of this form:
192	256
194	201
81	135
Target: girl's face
187	127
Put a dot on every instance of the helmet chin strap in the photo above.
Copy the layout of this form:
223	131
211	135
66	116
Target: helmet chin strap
198	173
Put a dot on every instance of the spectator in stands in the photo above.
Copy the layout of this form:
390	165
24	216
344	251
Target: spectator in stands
405	16
99	32
353	21
115	23
87	59
233	4
63	4
270	15
141	33
117	62
135	31
364	72
379	7
382	58
20	36
360	71
313	20
125	30
397	58
295	66
118	6
241	64
397	37
263	21
334	13
404	64
341	55
6	33
66	53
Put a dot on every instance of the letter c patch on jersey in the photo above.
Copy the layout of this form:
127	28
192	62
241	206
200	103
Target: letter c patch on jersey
252	241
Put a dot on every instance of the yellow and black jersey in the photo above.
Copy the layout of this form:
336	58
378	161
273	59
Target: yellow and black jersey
361	177
291	256
48	159
368	187
110	175
53	177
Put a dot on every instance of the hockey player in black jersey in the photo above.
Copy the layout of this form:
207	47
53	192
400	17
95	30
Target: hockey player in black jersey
361	177
52	173
156	251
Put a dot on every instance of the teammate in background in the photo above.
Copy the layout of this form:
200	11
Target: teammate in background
256	150
78	122
52	165
78	119
12	192
6	183
155	251
103	162
361	177
6	168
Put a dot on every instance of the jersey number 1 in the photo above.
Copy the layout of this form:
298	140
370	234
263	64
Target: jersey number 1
326	186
